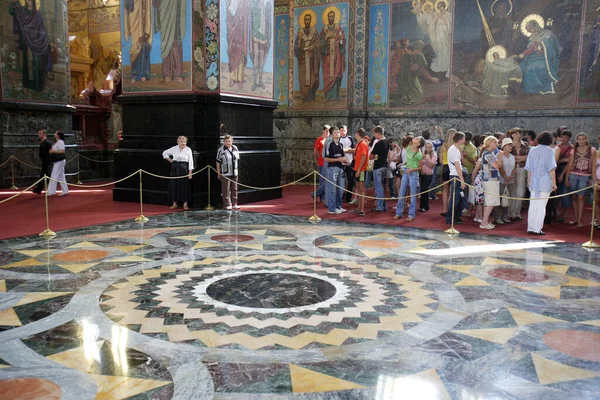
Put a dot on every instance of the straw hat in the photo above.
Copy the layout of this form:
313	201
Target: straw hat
506	141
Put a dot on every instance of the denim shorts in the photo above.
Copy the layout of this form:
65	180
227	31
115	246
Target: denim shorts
579	182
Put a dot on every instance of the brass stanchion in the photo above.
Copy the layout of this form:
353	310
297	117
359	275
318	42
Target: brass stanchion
12	171
315	218
451	230
591	244
141	219
47	232
209	207
78	171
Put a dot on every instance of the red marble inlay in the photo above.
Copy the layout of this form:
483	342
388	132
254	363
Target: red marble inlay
29	389
80	255
518	275
232	238
580	344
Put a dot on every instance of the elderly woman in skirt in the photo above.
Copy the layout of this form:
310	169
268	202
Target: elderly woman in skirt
182	164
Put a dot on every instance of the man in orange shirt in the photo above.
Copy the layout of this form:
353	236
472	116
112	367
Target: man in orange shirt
318	154
360	168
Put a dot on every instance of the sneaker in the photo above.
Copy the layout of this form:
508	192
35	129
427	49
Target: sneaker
236	207
354	202
343	210
337	211
361	214
498	222
228	208
476	220
487	226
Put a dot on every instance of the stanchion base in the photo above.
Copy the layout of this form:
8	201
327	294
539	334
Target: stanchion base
14	187
591	245
451	231
209	208
141	219
315	219
48	233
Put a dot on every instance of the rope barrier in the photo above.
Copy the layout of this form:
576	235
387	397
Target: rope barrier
141	218
6	162
91	159
22	191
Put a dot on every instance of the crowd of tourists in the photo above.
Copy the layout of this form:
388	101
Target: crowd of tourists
487	177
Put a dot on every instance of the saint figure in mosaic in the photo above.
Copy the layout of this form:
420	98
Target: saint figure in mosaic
333	50
306	50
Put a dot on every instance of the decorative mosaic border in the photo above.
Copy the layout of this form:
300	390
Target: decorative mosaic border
198	46
212	57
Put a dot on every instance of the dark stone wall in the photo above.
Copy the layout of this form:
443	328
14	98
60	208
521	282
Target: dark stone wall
19	124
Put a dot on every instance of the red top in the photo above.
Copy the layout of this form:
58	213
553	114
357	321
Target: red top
319	143
361	149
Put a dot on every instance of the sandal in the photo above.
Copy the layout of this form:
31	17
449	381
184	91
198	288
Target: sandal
580	225
571	223
410	219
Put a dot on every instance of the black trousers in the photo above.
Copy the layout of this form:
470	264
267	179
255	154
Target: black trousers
44	171
350	182
425	181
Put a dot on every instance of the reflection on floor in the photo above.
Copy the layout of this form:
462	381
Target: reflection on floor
251	306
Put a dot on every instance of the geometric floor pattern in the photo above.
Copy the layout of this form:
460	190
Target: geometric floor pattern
242	306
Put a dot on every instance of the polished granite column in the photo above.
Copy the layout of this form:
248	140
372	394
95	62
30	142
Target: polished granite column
152	123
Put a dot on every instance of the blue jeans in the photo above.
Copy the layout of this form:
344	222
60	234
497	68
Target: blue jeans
408	179
379	177
334	195
465	202
454	191
368	179
321	189
391	182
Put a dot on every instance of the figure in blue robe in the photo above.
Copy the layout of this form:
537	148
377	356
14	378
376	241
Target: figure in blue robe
540	61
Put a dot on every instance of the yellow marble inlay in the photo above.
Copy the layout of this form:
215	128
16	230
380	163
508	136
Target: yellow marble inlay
305	380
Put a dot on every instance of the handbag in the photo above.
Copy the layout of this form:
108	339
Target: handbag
504	200
55	157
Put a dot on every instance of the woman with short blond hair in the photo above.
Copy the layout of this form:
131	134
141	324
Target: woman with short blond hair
182	164
490	178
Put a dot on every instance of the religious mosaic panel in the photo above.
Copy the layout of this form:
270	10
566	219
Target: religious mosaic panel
378	52
282	46
420	54
33	49
589	83
156	45
78	23
515	54
247	47
321	56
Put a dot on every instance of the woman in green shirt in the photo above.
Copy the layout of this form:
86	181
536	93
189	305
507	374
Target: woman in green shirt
410	178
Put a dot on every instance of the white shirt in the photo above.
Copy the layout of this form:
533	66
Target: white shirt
180	155
59	145
453	156
347	143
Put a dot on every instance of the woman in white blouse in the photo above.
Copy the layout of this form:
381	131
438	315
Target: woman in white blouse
182	164
57	156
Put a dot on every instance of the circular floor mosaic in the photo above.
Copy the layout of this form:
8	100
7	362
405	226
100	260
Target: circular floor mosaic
268	302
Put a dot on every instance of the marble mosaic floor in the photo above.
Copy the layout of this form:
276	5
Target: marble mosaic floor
249	306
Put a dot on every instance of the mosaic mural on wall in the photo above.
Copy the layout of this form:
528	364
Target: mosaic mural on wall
33	49
212	44
282	24
515	53
378	52
321	56
419	56
247	47
156	45
589	84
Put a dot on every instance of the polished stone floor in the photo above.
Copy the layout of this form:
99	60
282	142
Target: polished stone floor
250	306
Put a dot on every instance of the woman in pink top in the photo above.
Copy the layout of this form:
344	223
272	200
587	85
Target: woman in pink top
579	173
429	161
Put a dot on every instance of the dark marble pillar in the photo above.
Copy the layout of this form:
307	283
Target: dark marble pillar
152	123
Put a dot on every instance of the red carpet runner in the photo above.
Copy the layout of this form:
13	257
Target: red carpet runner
25	215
